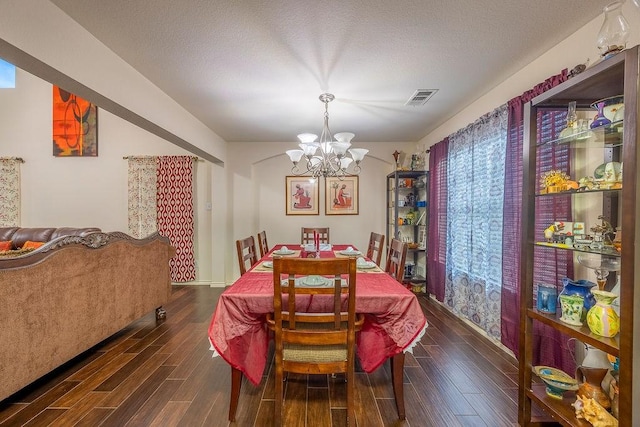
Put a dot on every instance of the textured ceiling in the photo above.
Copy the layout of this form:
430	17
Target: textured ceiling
253	70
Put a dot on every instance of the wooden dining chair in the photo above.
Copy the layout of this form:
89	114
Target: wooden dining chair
246	252
262	243
375	248
314	343
306	234
396	257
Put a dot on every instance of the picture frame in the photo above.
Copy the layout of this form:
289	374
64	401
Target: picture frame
75	125
341	196
301	196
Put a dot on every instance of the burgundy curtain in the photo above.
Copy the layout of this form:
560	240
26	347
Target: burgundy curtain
557	263
175	212
437	228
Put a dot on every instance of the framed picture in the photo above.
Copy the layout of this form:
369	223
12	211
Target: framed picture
341	196
301	196
75	125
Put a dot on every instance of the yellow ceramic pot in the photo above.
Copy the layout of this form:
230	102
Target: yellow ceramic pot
602	318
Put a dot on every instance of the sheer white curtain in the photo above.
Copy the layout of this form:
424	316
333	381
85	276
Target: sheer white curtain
475	184
142	183
10	191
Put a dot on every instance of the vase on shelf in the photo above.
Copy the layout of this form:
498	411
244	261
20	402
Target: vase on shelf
572	308
600	119
581	288
591	385
602	319
613	35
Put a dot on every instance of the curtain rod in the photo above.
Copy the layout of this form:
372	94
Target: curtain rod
20	159
196	158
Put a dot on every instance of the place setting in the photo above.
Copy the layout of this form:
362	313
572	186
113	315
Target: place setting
365	266
285	251
349	251
264	266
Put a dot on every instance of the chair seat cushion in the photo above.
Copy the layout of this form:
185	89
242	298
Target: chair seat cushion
315	353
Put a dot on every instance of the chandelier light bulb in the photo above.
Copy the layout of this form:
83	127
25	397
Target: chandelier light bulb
308	148
307	138
295	155
347	136
358	154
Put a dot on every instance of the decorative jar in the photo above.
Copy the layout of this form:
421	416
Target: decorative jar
602	318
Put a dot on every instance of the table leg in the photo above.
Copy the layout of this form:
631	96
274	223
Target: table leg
236	382
397	374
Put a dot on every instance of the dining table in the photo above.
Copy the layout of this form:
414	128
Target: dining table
394	320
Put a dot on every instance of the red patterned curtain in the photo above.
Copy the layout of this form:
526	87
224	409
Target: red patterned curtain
175	212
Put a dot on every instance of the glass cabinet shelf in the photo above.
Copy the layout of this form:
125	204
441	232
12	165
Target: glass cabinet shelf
603	136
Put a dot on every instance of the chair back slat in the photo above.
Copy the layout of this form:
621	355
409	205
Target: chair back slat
262	243
306	234
375	248
396	257
247	255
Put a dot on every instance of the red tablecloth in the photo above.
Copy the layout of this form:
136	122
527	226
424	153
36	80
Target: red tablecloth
394	319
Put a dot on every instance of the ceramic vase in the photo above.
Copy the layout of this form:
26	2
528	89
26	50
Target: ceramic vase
602	318
591	379
582	288
572	306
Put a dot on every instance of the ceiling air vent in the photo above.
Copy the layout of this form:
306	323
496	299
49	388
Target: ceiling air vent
420	97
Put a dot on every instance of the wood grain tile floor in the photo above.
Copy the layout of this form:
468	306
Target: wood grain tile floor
163	375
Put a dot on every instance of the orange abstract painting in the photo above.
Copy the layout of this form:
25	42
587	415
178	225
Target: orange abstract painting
75	125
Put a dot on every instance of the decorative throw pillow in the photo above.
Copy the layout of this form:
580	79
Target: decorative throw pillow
6	245
32	245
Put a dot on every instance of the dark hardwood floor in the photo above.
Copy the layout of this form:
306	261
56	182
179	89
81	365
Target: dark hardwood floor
163	375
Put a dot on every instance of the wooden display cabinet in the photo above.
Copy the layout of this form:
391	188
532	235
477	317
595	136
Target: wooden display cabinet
616	142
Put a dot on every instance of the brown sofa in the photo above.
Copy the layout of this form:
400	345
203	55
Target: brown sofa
78	289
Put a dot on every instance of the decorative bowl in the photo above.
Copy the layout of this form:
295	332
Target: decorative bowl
557	382
597	262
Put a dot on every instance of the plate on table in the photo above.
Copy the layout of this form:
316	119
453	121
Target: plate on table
286	251
350	251
365	264
267	264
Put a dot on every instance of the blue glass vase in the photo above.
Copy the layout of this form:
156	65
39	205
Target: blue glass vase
580	287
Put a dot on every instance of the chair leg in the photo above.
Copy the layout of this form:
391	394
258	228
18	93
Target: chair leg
351	413
236	382
279	395
397	373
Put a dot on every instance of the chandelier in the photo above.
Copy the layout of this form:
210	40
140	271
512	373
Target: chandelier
326	157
